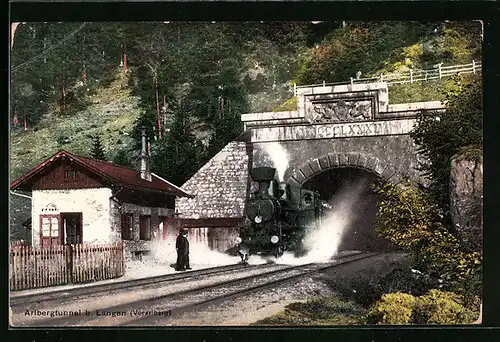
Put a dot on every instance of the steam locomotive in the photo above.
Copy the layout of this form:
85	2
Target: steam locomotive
278	215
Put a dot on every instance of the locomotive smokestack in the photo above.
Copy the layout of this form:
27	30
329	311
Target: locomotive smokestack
145	174
263	176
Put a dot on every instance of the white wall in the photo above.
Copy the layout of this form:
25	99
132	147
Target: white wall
94	204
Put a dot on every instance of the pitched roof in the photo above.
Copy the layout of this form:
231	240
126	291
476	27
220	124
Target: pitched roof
112	173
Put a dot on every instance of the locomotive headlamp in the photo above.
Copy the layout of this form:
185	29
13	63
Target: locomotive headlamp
274	239
258	219
238	240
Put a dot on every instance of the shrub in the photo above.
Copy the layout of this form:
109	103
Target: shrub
404	280
409	218
438	307
393	308
435	307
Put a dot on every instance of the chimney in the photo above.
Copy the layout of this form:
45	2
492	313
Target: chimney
145	174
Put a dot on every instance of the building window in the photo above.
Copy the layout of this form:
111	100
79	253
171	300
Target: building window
49	230
69	174
145	227
127	224
50	226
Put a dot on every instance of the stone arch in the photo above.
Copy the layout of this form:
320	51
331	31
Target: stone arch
310	168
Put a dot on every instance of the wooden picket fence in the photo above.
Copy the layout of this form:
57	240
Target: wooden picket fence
17	243
97	262
34	267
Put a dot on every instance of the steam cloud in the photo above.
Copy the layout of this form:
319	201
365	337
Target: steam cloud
164	256
323	242
279	157
199	254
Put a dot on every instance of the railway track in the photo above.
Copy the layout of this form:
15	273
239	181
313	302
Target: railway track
158	310
97	289
197	300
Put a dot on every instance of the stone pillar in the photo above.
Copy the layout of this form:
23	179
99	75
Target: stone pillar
466	197
383	97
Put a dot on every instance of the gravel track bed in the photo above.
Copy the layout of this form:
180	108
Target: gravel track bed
248	309
211	295
192	302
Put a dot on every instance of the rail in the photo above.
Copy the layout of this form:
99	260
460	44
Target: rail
123	285
411	76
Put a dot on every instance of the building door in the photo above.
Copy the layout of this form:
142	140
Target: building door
72	228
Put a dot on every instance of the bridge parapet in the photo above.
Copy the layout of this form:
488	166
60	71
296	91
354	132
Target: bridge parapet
325	112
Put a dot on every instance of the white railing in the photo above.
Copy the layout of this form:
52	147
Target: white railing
408	77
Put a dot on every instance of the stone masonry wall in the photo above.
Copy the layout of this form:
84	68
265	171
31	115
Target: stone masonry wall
136	245
389	156
219	187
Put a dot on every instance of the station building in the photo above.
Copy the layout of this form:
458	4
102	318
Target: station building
82	200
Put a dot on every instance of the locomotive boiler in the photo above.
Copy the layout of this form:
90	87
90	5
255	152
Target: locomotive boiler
278	216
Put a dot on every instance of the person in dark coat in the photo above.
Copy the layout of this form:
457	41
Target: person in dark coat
182	246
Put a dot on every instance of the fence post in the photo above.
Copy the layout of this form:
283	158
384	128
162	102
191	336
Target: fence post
352	81
69	263
324	83
381	77
295	89
411	76
439	69
473	66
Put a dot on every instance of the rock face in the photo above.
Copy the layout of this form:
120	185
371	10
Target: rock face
466	198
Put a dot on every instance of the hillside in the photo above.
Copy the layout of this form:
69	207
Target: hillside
111	116
367	50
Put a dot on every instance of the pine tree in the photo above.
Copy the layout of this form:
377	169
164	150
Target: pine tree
97	149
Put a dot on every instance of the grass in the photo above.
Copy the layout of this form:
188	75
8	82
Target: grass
287	106
318	311
355	291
